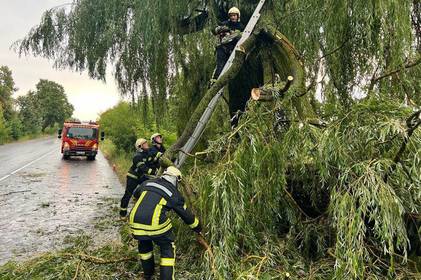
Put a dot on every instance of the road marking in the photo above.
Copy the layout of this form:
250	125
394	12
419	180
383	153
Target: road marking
26	165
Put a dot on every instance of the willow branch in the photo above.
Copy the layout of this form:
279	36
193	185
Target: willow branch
96	260
395	71
334	50
413	122
61	5
77	270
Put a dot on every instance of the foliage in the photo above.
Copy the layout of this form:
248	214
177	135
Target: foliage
7	88
45	107
15	127
4	132
29	112
254	191
345	42
287	189
119	125
123	124
52	103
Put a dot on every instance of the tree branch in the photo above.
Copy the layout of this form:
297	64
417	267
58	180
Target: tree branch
395	71
96	260
334	50
413	122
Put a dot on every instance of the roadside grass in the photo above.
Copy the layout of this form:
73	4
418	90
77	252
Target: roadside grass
114	260
83	259
47	133
120	160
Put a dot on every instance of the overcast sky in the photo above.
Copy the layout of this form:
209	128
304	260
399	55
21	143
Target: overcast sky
89	97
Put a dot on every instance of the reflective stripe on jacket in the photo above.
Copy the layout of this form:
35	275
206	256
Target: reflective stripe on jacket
155	198
141	165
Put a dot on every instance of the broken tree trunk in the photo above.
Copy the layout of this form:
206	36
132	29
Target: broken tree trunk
279	56
270	92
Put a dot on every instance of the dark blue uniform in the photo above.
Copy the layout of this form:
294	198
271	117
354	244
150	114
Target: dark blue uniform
137	174
149	223
155	154
224	50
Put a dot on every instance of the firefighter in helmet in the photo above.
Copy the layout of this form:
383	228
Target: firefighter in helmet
149	223
156	151
137	174
227	33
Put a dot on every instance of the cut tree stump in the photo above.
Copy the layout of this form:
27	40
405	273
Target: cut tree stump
269	92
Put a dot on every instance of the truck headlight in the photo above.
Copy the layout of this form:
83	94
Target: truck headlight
95	147
66	146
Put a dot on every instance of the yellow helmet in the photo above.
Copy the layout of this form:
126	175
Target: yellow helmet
234	10
155	135
173	171
140	142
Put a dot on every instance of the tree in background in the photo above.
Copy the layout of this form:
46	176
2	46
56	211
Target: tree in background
4	133
36	111
7	88
29	112
45	107
11	118
51	100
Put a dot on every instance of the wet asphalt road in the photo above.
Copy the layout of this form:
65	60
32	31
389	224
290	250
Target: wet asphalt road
43	198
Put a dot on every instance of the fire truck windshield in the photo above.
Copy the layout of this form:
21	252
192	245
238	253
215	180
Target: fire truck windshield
82	133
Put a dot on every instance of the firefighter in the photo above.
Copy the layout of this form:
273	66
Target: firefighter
156	151
228	34
137	174
150	224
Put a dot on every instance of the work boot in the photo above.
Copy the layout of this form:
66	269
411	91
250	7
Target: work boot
123	213
146	277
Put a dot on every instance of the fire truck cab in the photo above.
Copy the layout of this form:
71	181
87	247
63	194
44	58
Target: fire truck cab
79	139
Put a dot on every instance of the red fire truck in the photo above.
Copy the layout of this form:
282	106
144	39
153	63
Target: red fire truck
79	139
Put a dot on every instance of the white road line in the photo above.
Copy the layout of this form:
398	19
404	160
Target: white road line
26	165
5	177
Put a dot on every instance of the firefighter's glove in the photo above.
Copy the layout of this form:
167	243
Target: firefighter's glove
235	36
221	29
198	229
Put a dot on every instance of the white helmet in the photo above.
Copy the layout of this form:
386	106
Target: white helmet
155	135
140	142
173	171
234	10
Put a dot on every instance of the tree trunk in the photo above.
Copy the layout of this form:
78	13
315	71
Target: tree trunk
267	51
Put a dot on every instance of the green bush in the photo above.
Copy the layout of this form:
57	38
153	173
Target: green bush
123	124
4	131
15	128
119	125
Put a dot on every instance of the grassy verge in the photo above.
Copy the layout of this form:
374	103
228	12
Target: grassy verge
120	161
48	132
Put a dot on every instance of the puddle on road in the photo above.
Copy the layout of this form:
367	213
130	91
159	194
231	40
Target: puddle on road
43	205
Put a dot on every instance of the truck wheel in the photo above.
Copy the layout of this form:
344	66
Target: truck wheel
66	157
91	157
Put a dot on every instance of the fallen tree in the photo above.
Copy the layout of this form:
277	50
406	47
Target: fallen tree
320	188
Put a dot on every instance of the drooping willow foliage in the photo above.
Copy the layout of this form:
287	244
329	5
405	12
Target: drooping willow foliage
328	171
338	190
358	40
